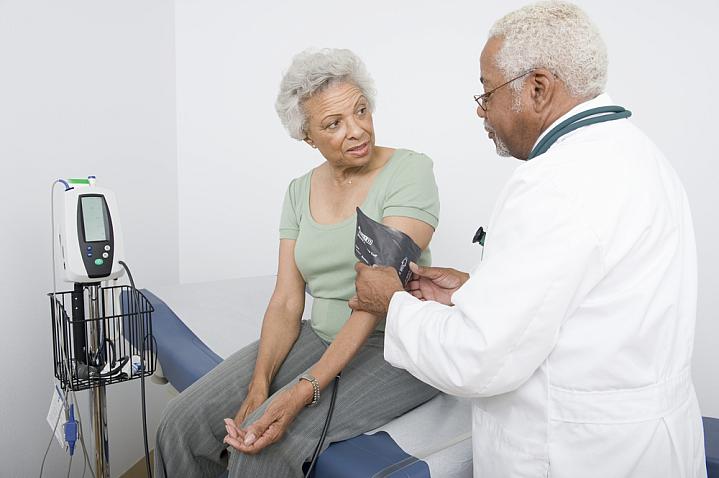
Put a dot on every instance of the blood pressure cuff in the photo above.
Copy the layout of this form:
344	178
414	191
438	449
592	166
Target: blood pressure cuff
378	244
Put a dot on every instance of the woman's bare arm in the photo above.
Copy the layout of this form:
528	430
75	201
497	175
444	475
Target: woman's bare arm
281	324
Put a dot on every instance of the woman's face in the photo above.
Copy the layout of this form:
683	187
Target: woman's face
340	125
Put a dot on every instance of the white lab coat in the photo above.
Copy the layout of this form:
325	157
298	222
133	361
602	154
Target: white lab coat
574	334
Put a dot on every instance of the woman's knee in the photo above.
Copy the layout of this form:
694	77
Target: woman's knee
178	417
277	460
175	410
171	415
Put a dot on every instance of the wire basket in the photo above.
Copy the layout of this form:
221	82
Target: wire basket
101	336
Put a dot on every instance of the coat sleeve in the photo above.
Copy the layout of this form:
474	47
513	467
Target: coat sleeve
542	258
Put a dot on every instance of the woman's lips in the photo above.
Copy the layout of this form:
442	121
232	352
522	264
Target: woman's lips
360	150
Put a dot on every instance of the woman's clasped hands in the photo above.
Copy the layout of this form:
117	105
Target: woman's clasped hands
271	426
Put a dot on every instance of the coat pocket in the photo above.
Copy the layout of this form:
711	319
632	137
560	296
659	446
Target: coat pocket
501	453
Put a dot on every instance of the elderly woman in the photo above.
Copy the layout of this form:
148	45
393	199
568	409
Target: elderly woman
277	389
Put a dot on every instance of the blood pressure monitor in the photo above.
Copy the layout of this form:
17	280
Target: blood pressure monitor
90	233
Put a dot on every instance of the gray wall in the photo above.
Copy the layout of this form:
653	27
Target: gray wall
86	87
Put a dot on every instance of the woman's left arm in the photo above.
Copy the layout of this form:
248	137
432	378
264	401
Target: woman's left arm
271	426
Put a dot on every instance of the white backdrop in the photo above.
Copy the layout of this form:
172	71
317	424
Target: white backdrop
170	103
235	160
86	87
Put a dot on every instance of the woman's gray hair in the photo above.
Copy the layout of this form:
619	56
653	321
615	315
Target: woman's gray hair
312	71
557	36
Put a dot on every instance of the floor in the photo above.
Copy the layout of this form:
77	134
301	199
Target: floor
138	470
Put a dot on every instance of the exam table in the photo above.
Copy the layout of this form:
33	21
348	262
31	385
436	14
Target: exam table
197	325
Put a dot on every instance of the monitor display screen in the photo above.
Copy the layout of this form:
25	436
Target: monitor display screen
94	218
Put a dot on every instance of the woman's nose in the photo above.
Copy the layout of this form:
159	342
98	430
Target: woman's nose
354	130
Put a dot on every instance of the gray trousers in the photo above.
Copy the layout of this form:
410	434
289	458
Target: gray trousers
370	393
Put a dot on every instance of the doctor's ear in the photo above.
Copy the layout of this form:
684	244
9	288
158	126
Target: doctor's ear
542	86
309	141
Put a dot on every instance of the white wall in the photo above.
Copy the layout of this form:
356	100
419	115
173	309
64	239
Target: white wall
86	87
235	160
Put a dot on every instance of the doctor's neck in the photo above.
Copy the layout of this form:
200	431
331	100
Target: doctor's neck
546	104
559	103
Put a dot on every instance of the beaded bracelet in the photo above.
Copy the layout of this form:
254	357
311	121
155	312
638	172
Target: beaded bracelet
315	388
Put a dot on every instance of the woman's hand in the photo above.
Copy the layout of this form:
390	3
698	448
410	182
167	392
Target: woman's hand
256	396
272	425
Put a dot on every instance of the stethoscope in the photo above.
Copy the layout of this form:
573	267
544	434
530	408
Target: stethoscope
580	120
585	118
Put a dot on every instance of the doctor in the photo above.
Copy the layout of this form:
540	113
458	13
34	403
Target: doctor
574	334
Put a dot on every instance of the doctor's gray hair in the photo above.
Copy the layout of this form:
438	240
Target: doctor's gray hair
313	71
557	36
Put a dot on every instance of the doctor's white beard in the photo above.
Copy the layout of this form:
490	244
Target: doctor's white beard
502	149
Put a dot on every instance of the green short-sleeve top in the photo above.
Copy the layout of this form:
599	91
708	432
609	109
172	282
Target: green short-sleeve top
324	253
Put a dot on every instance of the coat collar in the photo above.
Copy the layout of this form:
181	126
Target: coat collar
601	100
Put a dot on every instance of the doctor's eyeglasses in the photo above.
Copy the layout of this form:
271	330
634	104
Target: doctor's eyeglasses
482	99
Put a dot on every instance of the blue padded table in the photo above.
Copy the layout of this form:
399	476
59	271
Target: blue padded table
369	455
711	445
185	358
185	354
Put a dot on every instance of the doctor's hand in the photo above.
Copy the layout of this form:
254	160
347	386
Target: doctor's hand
272	425
375	286
435	283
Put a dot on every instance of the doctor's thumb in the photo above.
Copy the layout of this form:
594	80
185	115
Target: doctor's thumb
428	272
